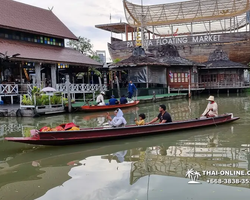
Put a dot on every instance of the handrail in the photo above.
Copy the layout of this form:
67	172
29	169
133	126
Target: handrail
8	89
80	88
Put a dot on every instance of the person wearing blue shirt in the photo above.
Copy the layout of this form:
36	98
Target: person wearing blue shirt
123	100
131	89
113	100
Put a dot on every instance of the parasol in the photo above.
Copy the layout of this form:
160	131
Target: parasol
48	89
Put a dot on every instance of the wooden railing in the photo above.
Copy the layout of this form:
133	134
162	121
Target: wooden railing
8	89
215	85
81	88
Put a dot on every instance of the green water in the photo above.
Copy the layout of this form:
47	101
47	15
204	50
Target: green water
152	167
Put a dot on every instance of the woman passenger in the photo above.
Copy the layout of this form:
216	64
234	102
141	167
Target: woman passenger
118	120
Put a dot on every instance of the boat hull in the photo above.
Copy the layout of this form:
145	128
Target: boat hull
95	134
101	108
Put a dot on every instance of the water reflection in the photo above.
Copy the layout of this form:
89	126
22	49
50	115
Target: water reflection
139	168
180	110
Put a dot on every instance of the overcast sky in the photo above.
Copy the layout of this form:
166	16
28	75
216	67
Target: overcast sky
81	16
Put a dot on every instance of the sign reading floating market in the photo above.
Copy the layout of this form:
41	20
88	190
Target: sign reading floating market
180	40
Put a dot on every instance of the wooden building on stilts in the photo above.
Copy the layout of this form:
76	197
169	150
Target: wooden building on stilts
221	73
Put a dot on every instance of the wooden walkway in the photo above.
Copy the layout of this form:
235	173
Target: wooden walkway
9	110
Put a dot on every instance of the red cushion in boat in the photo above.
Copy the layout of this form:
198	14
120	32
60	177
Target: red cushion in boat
70	125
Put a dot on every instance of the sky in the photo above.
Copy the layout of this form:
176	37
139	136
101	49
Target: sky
81	16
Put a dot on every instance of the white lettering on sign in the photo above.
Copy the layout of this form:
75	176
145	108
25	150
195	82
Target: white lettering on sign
180	40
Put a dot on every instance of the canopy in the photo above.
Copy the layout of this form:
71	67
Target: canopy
176	17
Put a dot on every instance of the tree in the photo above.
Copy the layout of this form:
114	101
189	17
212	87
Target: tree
83	45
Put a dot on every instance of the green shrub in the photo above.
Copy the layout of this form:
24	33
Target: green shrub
26	101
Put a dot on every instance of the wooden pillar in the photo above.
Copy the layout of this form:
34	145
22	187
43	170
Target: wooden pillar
246	22
189	84
38	74
209	27
68	92
135	33
132	34
111	79
105	79
53	75
153	32
191	28
21	73
230	24
147	77
126	32
172	30
149	35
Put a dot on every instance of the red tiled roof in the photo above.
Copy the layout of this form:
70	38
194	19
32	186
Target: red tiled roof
23	17
44	53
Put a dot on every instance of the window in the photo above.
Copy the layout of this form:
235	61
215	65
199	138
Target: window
180	78
16	35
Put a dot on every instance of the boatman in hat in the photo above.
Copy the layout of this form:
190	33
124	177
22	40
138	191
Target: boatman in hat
211	109
100	100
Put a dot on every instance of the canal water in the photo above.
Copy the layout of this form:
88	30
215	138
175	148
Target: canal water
143	168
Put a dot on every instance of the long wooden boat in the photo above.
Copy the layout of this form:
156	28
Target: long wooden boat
108	107
102	133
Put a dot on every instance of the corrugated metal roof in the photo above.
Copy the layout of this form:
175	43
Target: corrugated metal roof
23	17
45	53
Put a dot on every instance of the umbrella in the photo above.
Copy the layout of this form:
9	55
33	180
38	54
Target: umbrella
48	89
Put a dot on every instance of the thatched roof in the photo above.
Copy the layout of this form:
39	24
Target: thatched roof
219	59
169	54
138	58
165	55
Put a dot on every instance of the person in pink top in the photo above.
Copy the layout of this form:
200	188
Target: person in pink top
211	109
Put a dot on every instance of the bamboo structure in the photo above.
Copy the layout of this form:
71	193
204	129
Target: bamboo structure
195	16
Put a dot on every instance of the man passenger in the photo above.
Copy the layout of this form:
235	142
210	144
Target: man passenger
163	116
113	100
123	100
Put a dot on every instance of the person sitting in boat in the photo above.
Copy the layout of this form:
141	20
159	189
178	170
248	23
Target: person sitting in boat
113	100
118	120
100	100
211	109
163	116
123	100
141	119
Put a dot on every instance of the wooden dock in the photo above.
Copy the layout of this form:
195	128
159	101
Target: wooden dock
9	110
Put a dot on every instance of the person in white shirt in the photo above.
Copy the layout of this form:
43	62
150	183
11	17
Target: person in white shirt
100	100
118	120
211	109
